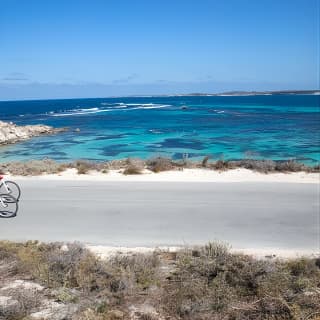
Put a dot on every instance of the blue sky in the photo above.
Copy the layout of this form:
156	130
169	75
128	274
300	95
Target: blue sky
57	49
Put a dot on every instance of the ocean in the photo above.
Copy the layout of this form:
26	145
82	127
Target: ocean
275	127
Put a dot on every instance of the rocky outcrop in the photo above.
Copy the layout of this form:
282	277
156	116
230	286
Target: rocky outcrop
12	133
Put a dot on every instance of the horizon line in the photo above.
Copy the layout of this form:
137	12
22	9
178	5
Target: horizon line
229	93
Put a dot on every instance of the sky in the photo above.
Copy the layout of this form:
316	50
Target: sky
93	48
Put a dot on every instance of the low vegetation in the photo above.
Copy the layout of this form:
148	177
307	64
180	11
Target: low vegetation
159	164
134	166
207	282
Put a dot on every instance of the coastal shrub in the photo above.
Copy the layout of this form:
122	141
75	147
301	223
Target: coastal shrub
263	166
32	167
139	269
160	164
134	166
315	168
204	162
92	274
222	165
290	166
84	166
202	282
210	280
116	164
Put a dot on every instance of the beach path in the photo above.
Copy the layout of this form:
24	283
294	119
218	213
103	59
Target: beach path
245	214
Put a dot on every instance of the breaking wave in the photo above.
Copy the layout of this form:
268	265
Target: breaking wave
111	107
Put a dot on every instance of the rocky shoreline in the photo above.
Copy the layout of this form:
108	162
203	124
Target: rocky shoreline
12	133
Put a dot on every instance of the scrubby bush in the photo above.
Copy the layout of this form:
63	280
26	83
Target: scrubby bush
263	166
222	165
160	164
203	282
290	166
210	281
32	167
137	270
84	166
204	162
134	166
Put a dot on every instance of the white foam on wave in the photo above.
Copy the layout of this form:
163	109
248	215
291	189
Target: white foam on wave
218	111
88	109
123	106
78	112
116	107
156	106
151	106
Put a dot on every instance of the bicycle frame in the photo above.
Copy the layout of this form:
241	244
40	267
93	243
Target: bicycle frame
2	203
3	183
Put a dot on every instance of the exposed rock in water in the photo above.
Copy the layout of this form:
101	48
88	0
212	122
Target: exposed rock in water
11	133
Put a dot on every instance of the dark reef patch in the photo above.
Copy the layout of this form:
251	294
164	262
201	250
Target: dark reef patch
113	150
110	137
182	143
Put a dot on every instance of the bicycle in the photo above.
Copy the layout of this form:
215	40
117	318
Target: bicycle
8	206
10	188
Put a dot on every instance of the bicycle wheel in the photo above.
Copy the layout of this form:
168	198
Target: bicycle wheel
10	207
14	189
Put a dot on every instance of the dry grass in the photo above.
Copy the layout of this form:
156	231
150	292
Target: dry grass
136	166
195	283
84	166
266	166
161	164
33	167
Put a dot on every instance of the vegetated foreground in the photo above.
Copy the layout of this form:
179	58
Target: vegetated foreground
158	164
67	281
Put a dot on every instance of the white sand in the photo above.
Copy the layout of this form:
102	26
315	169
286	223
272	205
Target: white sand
185	175
108	251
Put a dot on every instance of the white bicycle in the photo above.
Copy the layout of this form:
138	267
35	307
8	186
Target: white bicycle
9	187
9	197
8	206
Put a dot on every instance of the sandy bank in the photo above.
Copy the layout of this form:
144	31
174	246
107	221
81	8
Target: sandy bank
185	175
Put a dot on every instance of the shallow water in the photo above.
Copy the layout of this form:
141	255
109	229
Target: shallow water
268	127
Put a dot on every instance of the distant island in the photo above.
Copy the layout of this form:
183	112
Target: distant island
255	93
230	93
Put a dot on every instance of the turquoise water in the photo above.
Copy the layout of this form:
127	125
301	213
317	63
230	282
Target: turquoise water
276	127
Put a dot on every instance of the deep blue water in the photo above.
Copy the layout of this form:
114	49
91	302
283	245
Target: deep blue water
269	127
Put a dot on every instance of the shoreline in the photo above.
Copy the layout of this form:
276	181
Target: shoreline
186	175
